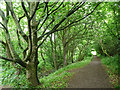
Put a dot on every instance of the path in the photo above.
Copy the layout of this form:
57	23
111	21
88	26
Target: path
91	76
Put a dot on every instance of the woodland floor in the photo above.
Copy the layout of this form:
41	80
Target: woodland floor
90	76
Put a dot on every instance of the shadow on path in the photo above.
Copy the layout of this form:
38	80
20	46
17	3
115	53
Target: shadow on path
90	76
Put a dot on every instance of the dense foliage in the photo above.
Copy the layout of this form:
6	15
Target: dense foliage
38	38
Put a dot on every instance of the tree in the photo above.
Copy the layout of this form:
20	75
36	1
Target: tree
39	18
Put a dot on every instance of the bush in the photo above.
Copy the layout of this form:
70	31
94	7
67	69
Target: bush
112	63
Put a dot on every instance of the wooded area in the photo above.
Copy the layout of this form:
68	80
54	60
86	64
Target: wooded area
38	38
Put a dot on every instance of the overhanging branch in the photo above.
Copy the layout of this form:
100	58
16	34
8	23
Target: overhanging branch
2	42
13	60
7	59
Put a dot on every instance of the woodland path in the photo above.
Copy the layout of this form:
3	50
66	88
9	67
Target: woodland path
90	76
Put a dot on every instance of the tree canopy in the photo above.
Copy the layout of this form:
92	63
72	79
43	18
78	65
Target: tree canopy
35	35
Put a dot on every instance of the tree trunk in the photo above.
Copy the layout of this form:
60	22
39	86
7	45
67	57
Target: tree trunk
64	56
53	51
72	56
79	57
31	73
31	68
64	49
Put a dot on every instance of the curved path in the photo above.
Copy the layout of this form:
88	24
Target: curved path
90	76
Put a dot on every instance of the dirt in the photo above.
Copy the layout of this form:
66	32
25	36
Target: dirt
90	76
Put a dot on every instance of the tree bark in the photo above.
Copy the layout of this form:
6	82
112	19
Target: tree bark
64	49
31	73
64	55
72	53
32	64
53	51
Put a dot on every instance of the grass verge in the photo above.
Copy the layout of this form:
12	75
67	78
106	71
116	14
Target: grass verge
59	78
111	67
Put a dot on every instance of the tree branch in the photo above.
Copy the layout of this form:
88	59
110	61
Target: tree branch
2	42
7	59
23	6
39	38
16	22
34	10
19	40
57	7
53	5
57	25
47	17
79	19
42	41
72	37
13	60
21	17
2	14
110	29
6	30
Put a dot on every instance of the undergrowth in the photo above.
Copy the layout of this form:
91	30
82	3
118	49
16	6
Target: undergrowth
59	78
112	68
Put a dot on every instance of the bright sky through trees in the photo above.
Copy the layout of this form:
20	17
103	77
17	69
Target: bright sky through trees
93	52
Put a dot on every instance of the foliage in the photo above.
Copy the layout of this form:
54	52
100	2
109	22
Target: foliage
11	78
112	68
54	35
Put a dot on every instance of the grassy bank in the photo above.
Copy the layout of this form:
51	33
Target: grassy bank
111	67
59	78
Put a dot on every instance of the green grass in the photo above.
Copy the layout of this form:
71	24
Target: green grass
111	64
59	78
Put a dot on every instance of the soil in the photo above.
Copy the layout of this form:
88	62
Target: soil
90	76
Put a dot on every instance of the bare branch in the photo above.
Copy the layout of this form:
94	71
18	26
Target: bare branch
7	14
43	57
42	23
23	6
57	25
